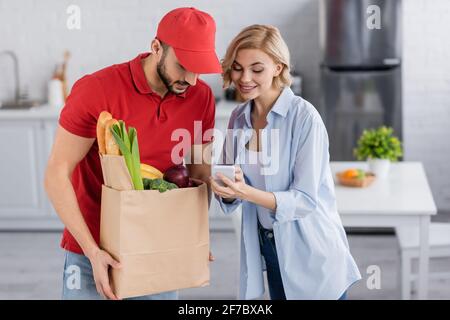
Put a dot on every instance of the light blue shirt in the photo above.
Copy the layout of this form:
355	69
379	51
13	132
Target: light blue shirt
256	179
313	253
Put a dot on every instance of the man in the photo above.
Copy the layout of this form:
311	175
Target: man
157	93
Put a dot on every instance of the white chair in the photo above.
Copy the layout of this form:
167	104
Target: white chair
408	238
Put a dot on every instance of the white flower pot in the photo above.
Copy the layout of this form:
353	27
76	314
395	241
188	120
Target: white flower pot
380	167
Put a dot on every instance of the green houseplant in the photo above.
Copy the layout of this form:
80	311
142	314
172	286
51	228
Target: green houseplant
379	147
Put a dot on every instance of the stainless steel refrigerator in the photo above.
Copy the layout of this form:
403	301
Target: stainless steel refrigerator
360	70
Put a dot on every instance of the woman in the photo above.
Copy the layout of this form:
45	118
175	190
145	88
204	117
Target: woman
283	179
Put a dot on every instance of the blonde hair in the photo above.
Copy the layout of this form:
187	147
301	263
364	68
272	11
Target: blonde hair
263	37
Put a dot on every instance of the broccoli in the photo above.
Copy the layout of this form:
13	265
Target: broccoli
158	184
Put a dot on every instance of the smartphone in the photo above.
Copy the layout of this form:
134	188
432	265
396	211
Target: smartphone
228	171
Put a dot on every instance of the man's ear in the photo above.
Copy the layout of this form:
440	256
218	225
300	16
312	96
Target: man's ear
156	48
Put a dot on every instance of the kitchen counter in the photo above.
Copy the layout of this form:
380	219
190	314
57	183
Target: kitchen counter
38	112
223	111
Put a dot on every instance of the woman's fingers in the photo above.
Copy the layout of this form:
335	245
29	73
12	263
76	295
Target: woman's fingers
219	190
222	192
227	181
214	185
239	174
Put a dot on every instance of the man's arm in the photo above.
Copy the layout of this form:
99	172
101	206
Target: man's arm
200	164
200	168
68	150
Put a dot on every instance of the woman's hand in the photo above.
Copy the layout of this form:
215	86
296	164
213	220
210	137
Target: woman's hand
231	190
239	189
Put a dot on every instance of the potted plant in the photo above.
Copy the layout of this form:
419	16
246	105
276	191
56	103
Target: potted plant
379	147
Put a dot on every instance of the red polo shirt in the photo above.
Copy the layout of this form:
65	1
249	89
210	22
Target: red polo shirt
123	90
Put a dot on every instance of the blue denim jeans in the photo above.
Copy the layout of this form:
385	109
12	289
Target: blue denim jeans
269	252
83	288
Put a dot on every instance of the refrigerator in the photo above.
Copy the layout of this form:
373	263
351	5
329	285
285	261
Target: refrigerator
360	70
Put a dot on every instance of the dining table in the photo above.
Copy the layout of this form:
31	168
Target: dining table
400	199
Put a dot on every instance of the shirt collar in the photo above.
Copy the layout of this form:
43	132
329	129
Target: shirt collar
280	107
139	79
283	102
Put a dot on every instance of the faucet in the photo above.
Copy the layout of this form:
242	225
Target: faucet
16	72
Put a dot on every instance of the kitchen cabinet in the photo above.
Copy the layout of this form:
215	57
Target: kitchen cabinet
27	137
20	190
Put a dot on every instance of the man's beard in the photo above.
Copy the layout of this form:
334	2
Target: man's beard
161	70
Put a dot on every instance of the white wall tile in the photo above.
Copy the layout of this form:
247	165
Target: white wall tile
426	91
116	30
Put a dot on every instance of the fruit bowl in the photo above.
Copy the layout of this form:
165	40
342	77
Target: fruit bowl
356	178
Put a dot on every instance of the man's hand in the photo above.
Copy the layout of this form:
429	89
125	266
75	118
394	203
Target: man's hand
100	261
199	165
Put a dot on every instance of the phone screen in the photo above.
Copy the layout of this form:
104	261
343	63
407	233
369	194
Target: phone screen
227	171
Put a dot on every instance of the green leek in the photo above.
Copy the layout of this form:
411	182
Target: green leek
129	148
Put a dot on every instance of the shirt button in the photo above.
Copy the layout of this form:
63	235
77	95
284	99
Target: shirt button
270	235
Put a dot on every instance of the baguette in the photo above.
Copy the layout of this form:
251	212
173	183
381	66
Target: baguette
110	143
101	122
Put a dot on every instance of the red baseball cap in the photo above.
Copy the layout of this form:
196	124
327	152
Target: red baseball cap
191	34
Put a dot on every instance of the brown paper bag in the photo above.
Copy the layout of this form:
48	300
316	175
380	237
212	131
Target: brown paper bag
161	239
